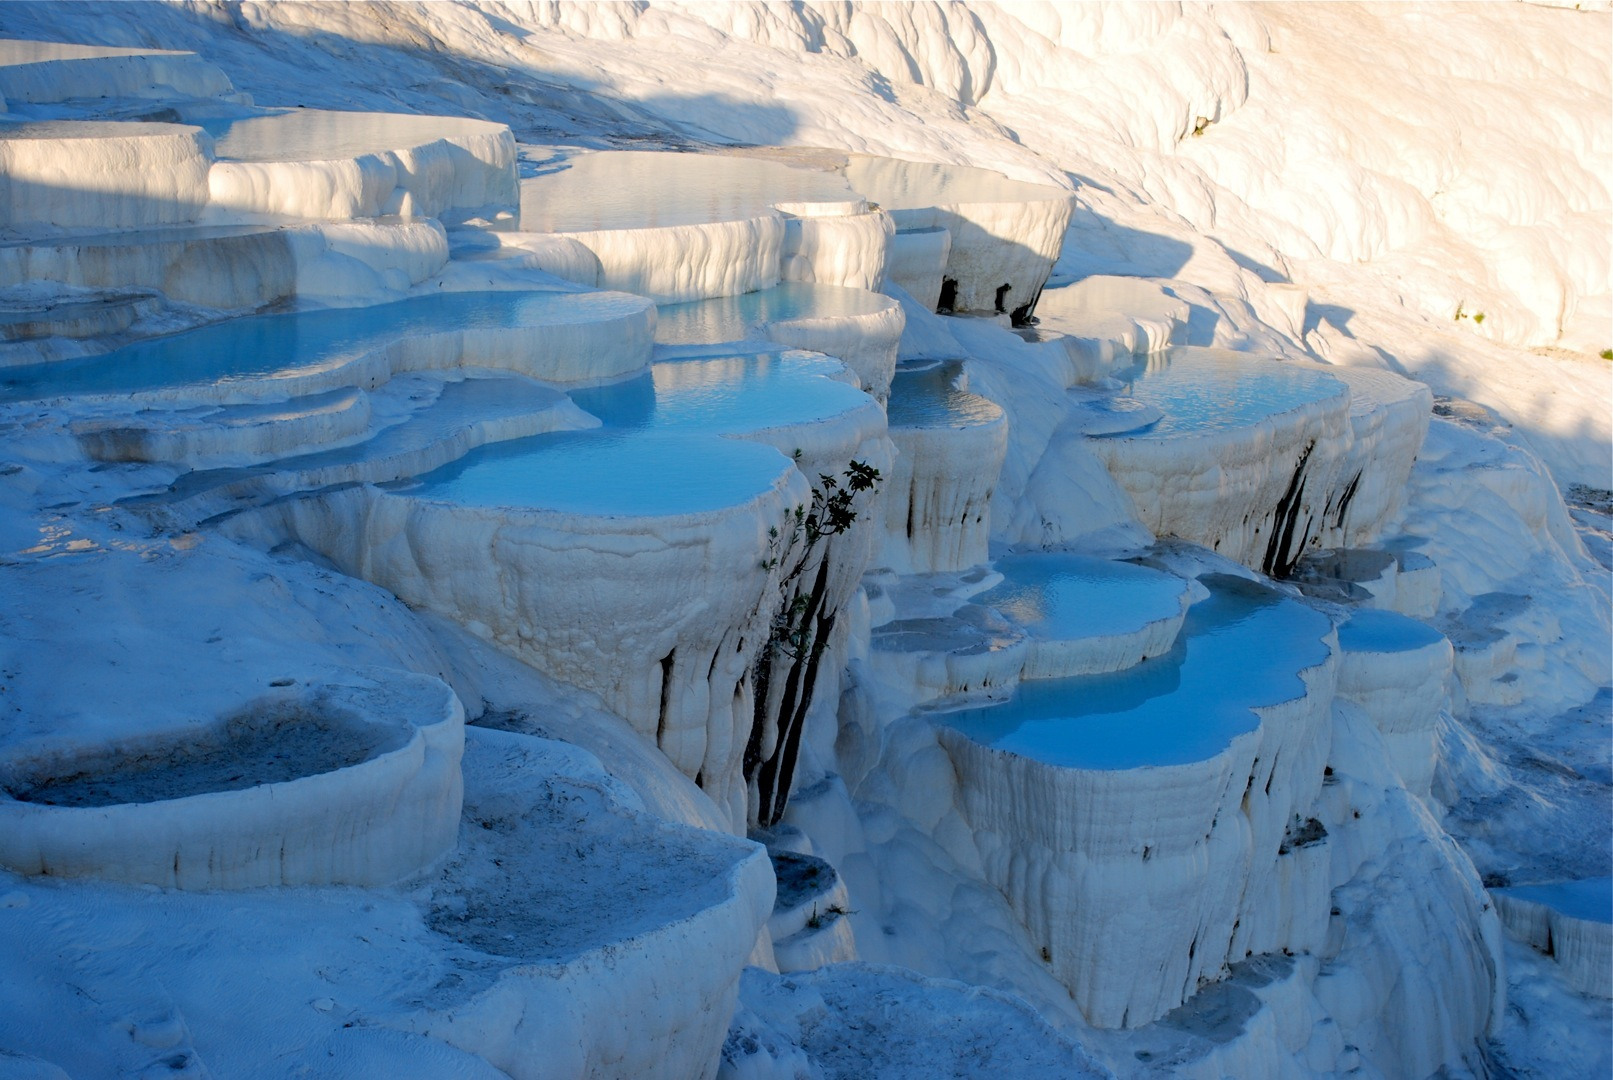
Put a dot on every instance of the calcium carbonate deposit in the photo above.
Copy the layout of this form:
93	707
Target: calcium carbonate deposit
805	541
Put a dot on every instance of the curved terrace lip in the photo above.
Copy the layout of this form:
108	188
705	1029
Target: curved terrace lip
1244	648
289	344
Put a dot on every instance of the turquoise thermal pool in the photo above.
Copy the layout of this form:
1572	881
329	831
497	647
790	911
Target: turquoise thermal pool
294	343
1073	596
737	318
1590	899
663	448
636	189
1245	646
607	473
1201	390
1372	631
929	397
725	394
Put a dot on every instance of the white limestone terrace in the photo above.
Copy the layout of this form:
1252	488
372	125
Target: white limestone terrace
1003	235
1101	323
322	165
560	940
1169	786
1570	921
229	164
1387	578
229	267
950	446
43	72
354	783
1250	455
680	227
1397	670
861	328
640	560
1398	948
102	174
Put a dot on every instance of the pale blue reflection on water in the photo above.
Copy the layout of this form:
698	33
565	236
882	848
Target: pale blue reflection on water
929	397
735	318
1385	632
1212	390
1242	647
1073	596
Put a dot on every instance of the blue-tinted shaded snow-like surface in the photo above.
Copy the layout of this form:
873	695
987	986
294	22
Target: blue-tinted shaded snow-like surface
1244	646
639	189
1073	596
1385	632
607	473
1202	390
735	318
1590	899
301	342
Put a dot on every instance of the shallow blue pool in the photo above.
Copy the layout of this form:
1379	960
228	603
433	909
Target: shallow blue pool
736	318
610	473
1385	632
293	343
1242	647
928	397
1064	597
725	394
664	448
1590	899
1201	390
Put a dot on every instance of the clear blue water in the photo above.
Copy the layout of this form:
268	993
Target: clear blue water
725	395
663	449
1242	647
929	398
736	318
1072	596
1590	899
632	189
1213	389
276	346
609	473
1385	632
